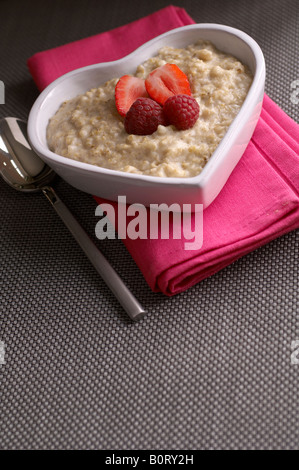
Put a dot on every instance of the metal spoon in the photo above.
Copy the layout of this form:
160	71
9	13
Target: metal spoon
22	169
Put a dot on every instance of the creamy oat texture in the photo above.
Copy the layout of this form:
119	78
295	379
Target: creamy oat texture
88	127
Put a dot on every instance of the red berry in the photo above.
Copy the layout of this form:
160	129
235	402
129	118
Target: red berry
127	90
182	111
144	117
166	81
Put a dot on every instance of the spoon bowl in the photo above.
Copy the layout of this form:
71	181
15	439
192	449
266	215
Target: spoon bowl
20	167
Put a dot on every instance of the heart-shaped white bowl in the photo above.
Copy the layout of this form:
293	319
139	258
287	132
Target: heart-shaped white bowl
143	189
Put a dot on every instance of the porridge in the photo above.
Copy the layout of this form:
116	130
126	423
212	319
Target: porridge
90	129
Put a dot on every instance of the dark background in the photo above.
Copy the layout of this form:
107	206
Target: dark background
209	368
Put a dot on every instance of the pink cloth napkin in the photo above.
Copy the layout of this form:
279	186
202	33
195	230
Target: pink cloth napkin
259	202
48	65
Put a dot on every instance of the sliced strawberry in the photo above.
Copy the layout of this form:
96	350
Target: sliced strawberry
166	81
127	90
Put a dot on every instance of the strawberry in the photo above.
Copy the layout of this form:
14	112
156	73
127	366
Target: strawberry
166	81
127	90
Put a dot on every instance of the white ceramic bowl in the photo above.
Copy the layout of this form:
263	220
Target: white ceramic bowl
201	189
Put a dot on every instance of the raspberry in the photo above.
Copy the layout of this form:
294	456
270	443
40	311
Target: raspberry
144	117
182	111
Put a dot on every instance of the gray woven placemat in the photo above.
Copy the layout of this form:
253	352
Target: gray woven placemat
210	368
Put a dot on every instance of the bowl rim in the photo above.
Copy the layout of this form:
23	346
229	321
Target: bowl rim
198	180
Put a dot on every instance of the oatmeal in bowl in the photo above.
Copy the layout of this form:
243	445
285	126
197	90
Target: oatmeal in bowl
90	128
79	127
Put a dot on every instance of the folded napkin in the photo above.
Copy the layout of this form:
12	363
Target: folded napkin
259	202
48	65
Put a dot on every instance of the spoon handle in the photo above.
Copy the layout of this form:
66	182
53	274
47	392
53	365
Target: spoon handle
103	267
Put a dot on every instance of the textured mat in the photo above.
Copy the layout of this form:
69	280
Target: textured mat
209	368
